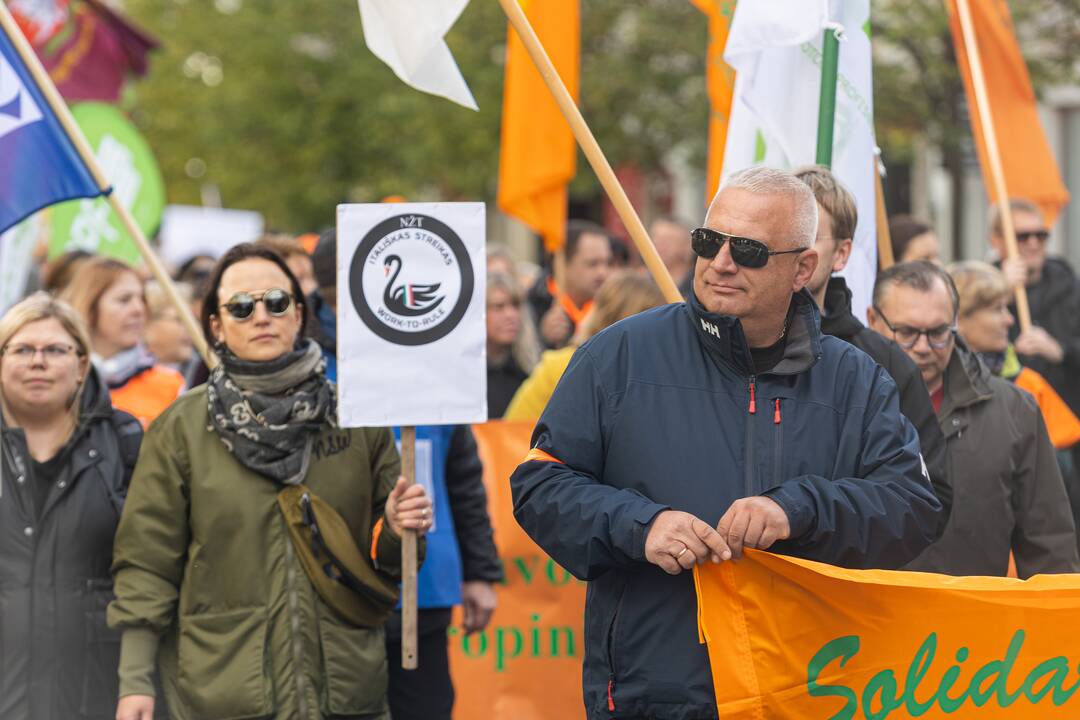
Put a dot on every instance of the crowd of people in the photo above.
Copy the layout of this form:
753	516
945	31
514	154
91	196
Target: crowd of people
187	541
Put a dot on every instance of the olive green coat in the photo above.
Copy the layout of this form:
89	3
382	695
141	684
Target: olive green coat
208	581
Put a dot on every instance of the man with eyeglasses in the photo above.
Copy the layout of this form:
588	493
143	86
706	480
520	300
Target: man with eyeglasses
1052	346
1008	494
687	433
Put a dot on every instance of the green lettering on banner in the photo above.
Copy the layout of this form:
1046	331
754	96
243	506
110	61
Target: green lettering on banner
566	632
1001	668
466	645
523	567
843	648
882	695
500	646
535	637
552	568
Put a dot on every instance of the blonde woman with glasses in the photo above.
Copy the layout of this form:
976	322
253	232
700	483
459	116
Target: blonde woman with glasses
67	456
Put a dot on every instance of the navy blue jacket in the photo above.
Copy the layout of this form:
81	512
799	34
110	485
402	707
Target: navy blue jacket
655	413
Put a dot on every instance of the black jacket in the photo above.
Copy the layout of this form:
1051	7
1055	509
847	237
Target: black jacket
468	505
1009	491
1055	307
655	413
58	660
839	322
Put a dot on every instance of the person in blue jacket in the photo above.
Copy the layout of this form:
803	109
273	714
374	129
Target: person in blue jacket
689	432
461	564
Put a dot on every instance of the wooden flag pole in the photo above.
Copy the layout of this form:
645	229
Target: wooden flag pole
997	171
884	239
82	146
409	660
592	150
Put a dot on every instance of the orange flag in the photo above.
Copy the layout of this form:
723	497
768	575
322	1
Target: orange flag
538	156
1030	169
791	638
721	81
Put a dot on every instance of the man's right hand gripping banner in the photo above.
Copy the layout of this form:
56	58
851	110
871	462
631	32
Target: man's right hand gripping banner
790	638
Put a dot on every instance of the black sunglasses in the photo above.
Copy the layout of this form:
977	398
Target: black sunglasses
745	252
242	305
1040	235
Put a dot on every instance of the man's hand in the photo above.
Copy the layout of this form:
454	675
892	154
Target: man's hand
1015	271
478	603
677	541
408	508
135	707
1037	341
753	522
555	326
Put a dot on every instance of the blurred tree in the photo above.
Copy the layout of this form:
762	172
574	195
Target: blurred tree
281	107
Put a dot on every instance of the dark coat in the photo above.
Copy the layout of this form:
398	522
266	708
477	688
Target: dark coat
839	322
1009	494
1055	307
58	660
654	413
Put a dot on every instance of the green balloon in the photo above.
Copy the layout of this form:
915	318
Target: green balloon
130	167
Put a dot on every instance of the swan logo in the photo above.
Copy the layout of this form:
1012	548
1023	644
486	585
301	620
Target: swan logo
411	280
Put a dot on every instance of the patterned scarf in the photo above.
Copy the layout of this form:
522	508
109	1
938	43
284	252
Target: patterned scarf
268	413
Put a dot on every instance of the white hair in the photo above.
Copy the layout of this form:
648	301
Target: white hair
770	181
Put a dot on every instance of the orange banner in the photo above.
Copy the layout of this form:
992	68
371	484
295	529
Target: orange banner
795	639
721	81
527	664
1031	171
538	155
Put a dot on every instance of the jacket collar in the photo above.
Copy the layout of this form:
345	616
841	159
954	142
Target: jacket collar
967	381
724	339
838	319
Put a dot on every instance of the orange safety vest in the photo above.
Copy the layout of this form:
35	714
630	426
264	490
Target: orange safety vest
148	394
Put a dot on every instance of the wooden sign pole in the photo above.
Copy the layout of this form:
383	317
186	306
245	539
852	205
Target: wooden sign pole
409	659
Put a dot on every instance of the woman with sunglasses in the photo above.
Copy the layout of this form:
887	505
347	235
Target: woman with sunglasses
67	457
110	296
209	582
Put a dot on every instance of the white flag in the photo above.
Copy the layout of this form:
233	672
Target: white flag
408	36
775	47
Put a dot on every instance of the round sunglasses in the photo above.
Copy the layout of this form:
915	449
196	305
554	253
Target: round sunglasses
745	252
242	305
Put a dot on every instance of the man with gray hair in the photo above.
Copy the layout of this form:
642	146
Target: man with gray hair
690	432
1008	494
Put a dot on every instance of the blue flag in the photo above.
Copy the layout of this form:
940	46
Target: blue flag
39	164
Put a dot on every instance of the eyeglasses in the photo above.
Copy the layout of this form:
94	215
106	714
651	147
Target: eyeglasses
1040	235
25	354
242	305
745	252
907	337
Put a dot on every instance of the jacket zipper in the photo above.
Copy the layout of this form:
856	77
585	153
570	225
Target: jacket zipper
294	627
778	456
611	650
749	461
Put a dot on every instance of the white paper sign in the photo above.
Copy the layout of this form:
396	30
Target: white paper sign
412	340
187	231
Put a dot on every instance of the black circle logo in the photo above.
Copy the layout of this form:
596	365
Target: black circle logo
411	279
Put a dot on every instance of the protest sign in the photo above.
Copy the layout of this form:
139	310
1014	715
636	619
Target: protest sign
411	308
794	638
527	664
187	231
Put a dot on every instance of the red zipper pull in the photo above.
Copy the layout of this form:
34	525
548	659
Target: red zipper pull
753	401
776	414
610	697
